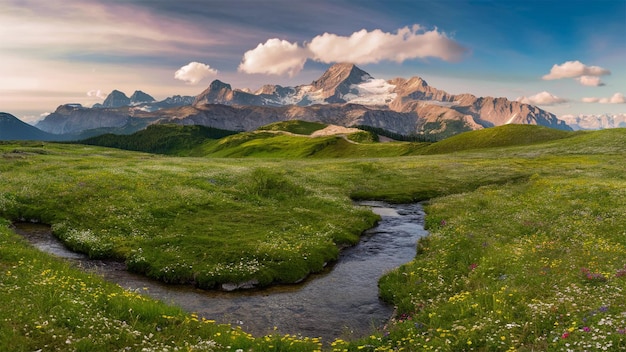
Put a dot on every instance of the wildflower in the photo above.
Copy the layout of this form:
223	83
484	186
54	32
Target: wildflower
586	329
565	335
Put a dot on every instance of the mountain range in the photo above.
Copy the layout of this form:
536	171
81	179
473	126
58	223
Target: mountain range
344	95
595	122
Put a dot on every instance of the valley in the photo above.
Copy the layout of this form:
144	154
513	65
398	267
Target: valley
526	247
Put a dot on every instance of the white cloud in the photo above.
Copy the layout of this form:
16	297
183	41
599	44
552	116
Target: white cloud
194	72
543	98
277	56
592	81
97	93
617	98
364	47
573	69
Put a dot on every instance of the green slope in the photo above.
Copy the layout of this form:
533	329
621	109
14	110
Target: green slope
501	136
160	139
295	126
273	145
290	139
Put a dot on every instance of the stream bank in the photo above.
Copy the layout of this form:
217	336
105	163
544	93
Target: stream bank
341	302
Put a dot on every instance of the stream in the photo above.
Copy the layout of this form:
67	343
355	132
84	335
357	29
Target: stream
340	302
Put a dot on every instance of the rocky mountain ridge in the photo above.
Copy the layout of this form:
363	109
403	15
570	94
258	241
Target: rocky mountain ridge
595	122
346	83
344	95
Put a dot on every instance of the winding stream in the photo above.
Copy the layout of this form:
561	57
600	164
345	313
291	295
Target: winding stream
341	302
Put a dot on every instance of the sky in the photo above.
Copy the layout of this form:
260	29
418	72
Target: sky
566	56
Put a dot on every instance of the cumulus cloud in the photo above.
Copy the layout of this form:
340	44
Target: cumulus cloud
592	81
617	98
97	93
280	56
364	47
573	69
194	72
543	98
274	57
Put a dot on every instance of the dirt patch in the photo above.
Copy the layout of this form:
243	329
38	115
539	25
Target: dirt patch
333	130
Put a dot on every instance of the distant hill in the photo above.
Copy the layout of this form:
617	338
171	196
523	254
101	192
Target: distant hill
160	139
12	128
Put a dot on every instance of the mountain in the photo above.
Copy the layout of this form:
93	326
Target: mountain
219	92
338	81
249	117
344	95
436	109
140	97
595	122
12	128
116	99
74	118
170	102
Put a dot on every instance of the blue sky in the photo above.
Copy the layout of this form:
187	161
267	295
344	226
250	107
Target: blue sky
568	57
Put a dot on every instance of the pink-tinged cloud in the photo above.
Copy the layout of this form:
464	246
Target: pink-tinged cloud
194	72
617	98
573	69
97	93
592	81
543	98
274	57
280	56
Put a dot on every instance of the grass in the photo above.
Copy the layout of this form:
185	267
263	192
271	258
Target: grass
266	143
160	139
527	249
502	136
295	127
49	306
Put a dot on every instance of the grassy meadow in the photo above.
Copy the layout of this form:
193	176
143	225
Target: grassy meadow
527	245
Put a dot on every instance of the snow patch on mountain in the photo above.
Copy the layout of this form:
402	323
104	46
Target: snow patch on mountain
511	119
304	95
371	92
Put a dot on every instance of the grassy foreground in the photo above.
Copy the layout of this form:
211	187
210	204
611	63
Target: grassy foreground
527	248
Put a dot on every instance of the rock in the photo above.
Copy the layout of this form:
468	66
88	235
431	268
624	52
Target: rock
231	286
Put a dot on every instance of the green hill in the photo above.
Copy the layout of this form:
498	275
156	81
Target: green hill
270	142
295	127
501	136
263	144
161	139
